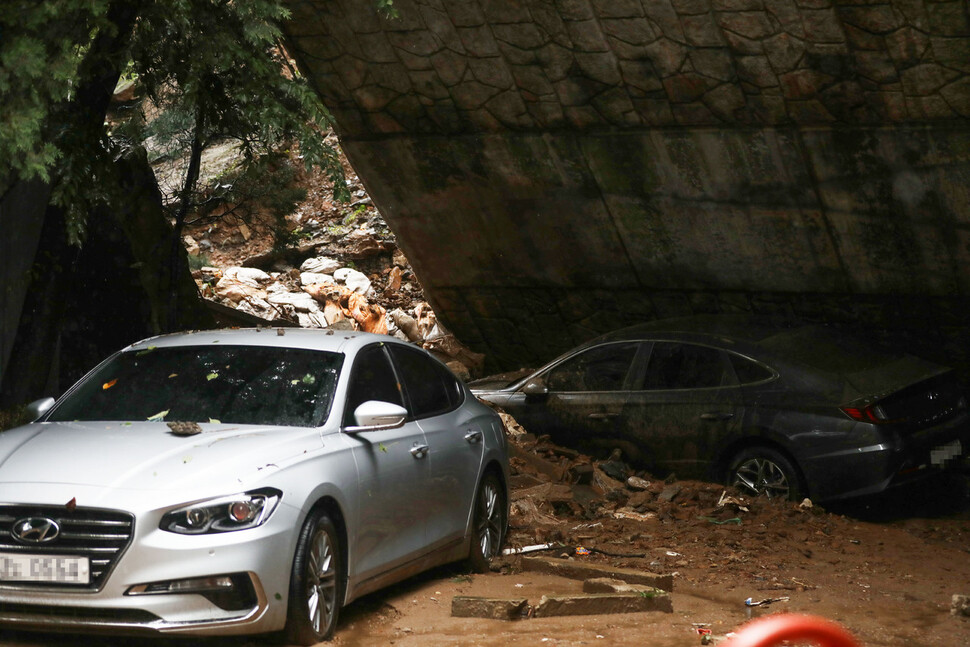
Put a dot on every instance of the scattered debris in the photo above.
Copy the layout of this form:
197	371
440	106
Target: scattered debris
960	605
529	549
735	502
751	603
184	428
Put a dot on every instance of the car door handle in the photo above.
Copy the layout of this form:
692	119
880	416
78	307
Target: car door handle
474	436
419	451
603	416
717	415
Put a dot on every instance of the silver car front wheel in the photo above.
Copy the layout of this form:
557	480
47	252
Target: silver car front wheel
316	586
489	523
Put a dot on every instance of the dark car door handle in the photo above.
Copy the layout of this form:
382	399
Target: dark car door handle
602	416
717	415
473	437
419	451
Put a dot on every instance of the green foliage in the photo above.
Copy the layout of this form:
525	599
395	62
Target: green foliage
13	417
199	261
387	8
41	44
215	69
233	88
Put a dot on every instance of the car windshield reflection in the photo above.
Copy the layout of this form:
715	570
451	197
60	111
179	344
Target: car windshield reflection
234	385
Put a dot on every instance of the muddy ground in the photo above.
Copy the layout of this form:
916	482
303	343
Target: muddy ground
886	568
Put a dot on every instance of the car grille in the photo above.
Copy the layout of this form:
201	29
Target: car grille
100	535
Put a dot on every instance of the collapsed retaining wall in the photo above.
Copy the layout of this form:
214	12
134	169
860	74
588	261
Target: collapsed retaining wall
556	168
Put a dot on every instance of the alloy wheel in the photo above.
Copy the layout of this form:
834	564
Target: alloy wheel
321	581
760	476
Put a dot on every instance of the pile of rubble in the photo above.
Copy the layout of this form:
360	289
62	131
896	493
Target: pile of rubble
563	502
322	293
344	271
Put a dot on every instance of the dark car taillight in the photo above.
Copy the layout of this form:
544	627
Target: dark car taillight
872	413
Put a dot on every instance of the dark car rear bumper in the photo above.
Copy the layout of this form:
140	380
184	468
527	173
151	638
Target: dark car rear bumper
900	458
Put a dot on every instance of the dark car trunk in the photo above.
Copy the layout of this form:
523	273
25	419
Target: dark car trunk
926	403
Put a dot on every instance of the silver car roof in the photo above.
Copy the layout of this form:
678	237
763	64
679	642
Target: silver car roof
324	339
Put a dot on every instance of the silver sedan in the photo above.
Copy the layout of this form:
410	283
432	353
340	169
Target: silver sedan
244	481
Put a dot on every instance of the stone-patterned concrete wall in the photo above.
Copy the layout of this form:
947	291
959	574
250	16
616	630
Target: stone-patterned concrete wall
555	168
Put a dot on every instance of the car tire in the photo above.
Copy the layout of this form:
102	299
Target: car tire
763	471
489	523
316	582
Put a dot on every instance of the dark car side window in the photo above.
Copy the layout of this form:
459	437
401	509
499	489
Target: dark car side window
602	368
749	371
430	387
685	366
373	378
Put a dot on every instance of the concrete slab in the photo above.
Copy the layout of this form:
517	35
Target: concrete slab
583	571
603	603
468	606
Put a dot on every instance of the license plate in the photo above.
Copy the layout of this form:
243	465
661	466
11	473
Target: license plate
940	455
44	568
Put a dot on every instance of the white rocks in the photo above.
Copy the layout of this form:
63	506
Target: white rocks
313	278
249	275
301	301
320	265
356	281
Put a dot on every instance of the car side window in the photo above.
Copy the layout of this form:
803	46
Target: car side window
685	366
749	371
372	378
601	368
430	387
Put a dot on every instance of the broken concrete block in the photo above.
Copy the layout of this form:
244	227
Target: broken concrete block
581	474
609	585
537	464
582	571
669	493
470	606
601	603
960	605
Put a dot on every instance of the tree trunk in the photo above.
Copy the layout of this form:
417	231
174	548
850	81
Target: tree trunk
38	317
21	221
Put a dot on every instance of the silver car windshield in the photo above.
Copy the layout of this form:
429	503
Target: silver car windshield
258	385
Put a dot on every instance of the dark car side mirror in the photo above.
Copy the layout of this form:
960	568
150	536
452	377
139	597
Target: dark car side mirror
375	415
535	388
37	408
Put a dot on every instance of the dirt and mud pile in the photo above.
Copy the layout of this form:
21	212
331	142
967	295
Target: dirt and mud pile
606	511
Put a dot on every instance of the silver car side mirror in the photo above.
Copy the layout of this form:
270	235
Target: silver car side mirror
535	387
37	408
375	415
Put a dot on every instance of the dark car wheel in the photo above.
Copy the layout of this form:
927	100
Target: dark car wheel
763	471
316	582
489	523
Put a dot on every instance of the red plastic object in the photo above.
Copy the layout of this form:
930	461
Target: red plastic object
770	631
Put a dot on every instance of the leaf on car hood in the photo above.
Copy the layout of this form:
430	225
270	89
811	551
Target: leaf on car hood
158	416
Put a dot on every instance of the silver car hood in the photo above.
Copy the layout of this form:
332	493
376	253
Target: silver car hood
146	456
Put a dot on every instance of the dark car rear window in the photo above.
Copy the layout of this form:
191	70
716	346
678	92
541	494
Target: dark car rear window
230	384
829	350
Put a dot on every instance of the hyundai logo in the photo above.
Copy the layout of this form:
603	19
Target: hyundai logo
35	530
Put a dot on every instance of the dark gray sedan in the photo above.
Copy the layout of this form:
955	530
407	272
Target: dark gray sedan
780	411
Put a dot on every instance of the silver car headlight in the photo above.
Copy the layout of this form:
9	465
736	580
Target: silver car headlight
224	514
